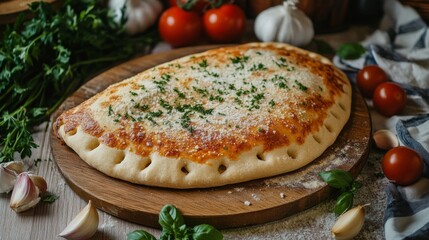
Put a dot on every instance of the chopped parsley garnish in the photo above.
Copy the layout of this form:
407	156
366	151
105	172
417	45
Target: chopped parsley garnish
179	93
238	100
110	111
217	98
200	109
258	67
133	93
281	63
155	114
272	103
186	122
280	81
127	116
213	74
151	115
144	107
166	77
165	105
203	92
240	60
256	100
300	86
253	89
203	63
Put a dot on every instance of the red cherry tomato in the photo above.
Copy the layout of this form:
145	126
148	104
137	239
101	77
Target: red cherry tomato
389	99
402	165
368	78
224	24
179	27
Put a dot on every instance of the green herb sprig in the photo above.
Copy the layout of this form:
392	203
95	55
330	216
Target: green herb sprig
174	227
50	198
351	51
343	181
45	58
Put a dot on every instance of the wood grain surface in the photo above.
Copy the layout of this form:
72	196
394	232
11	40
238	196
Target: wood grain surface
224	207
10	9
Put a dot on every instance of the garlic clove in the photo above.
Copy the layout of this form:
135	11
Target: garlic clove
7	179
16	166
25	194
349	224
385	139
39	182
84	225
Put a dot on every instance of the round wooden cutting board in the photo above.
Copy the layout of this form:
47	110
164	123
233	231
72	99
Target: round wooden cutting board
248	203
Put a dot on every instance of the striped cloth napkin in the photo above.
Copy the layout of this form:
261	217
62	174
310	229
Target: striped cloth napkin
401	47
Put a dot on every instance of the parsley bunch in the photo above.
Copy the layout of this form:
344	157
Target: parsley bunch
45	58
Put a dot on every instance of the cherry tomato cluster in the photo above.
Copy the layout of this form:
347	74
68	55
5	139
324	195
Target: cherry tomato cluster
402	165
180	27
388	98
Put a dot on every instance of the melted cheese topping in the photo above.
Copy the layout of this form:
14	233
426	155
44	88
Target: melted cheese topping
214	105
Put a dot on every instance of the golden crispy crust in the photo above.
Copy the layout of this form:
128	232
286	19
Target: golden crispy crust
223	116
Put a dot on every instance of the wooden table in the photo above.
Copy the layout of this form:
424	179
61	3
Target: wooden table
45	221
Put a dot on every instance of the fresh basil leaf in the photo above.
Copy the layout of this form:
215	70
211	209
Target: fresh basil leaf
337	178
166	235
344	203
171	219
206	232
140	235
351	51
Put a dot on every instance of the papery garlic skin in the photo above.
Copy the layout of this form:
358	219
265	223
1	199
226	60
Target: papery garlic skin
385	139
7	180
84	225
25	194
16	166
39	182
8	174
349	224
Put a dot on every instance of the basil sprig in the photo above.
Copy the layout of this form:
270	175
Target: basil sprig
343	181
174	227
351	51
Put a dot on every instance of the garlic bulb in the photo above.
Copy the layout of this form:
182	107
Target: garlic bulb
349	224
284	23
84	225
25	194
141	14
